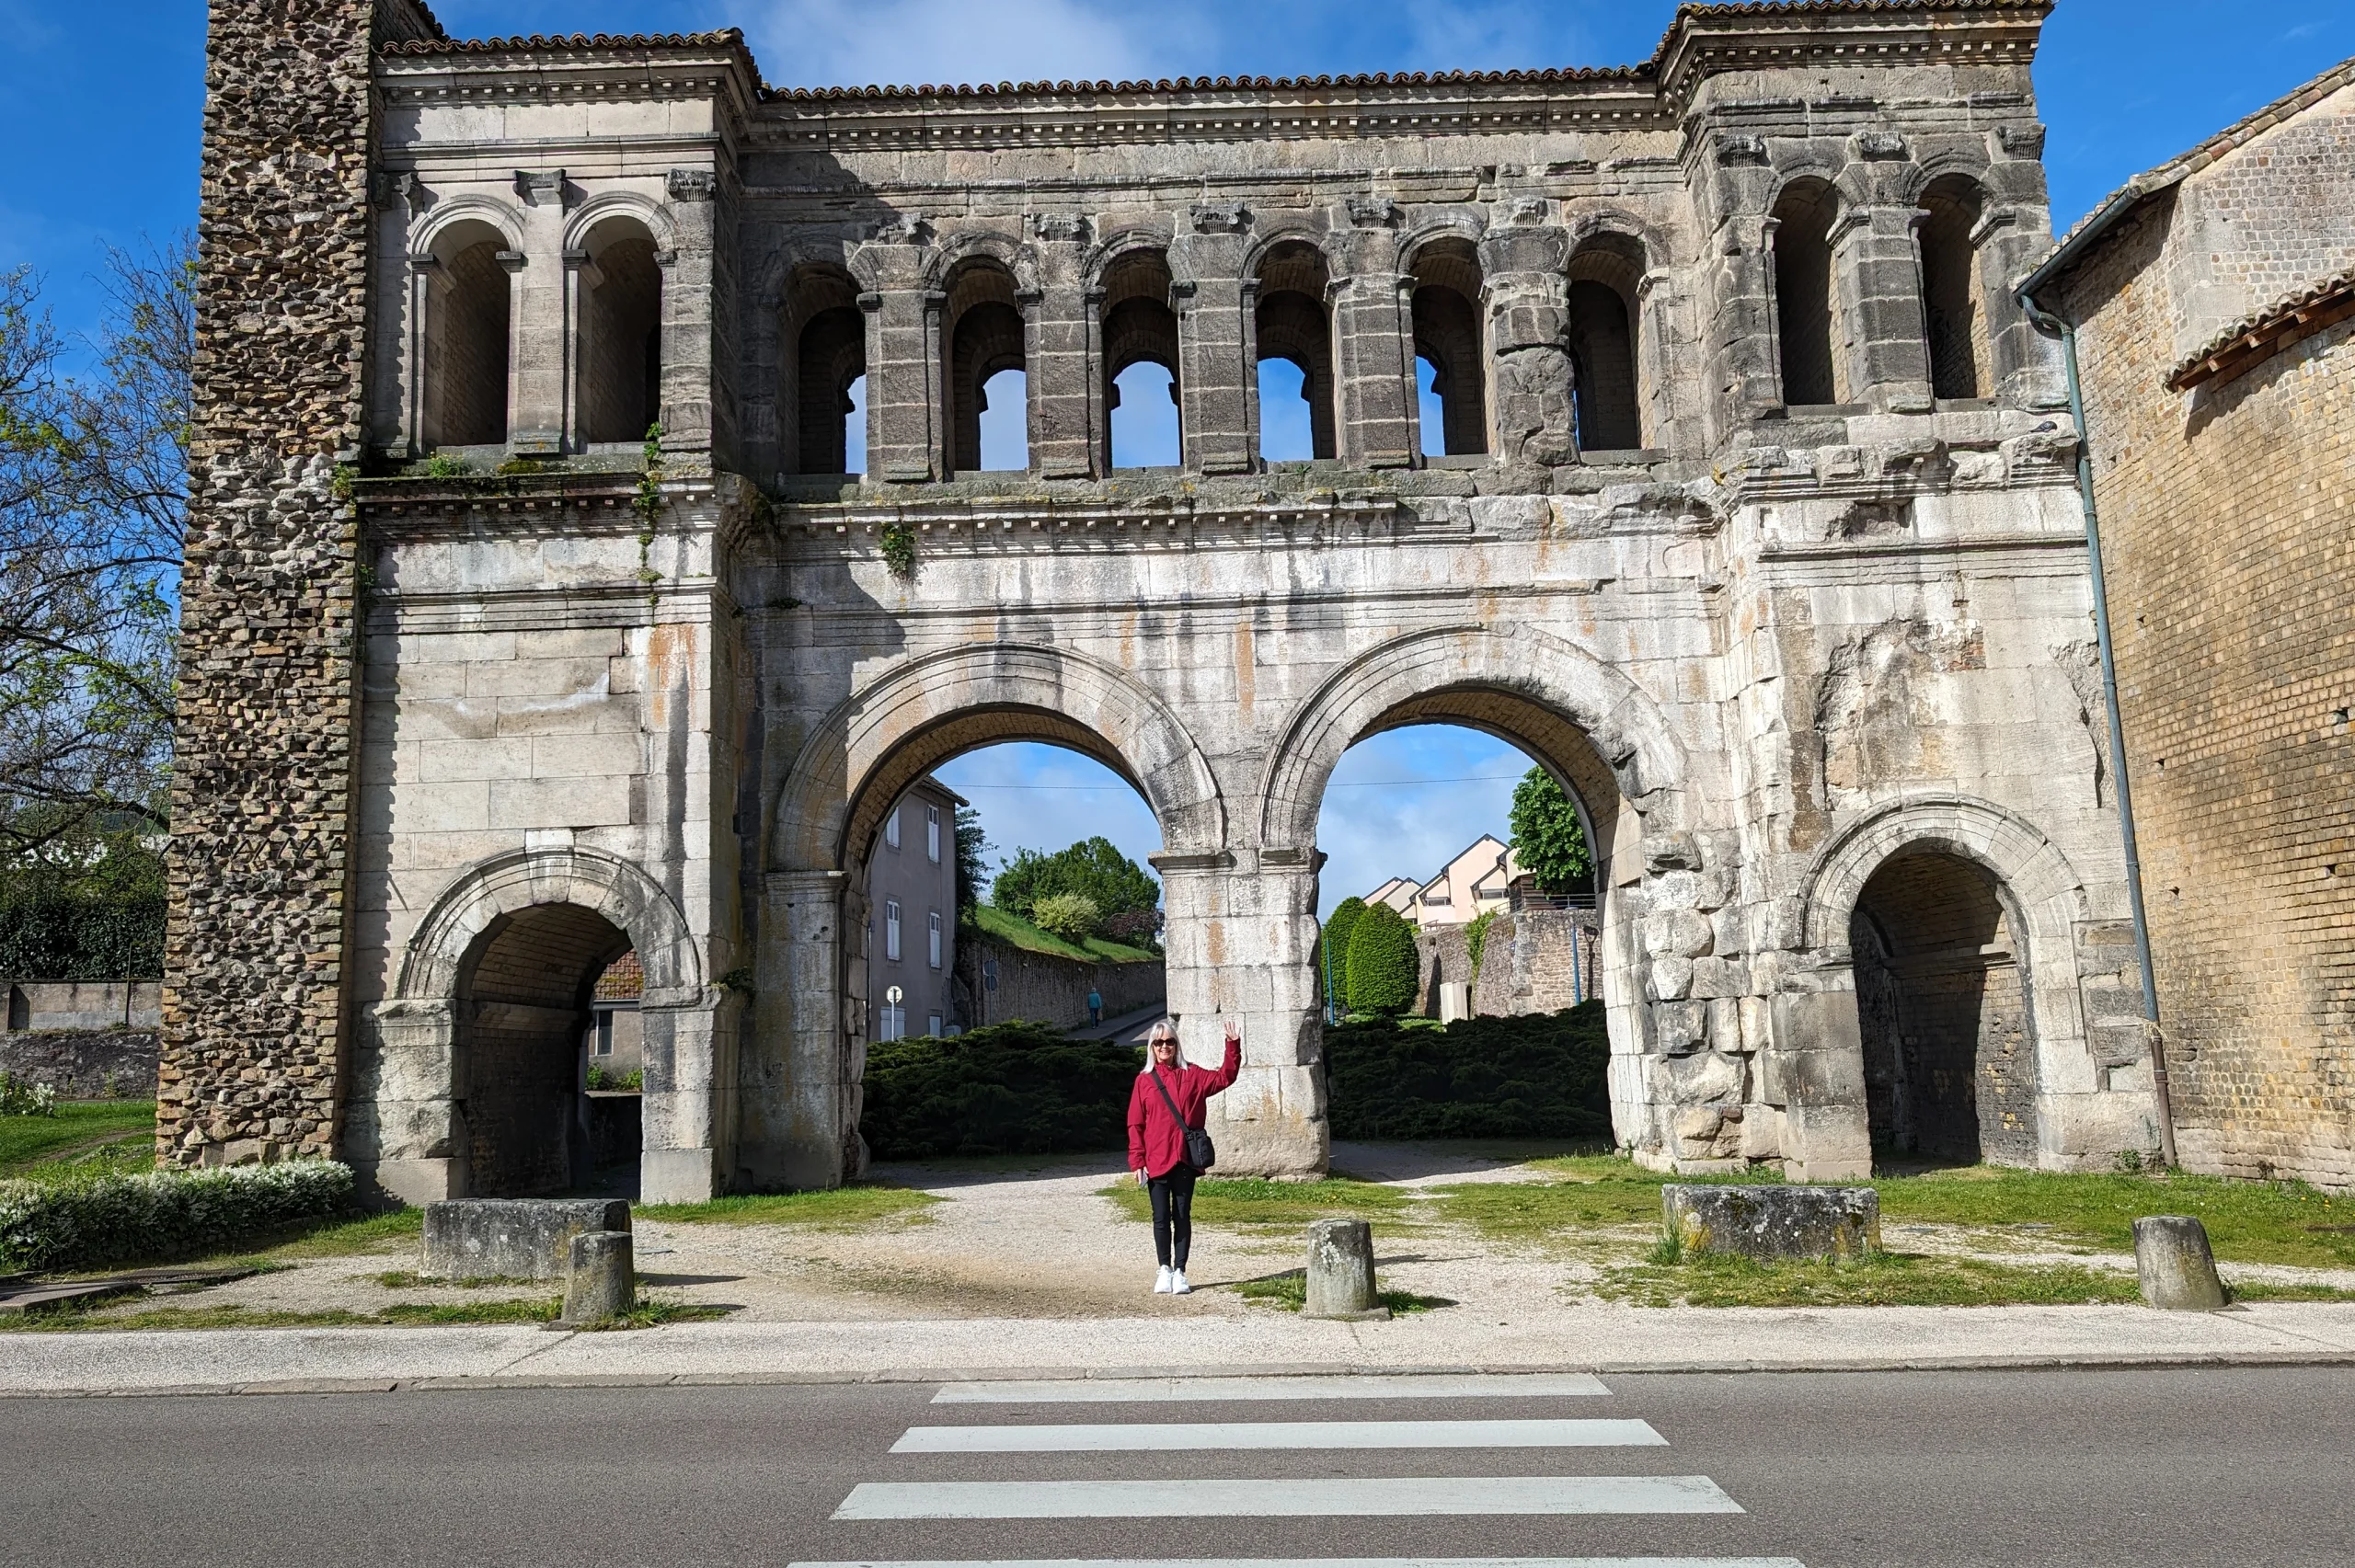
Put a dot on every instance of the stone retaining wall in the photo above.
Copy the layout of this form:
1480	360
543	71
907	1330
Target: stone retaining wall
77	1061
1049	988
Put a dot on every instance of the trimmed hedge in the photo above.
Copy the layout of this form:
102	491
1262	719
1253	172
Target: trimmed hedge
1384	963
1540	1076
1018	1087
161	1214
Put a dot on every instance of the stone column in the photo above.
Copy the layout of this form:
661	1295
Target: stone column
1373	344
424	273
690	1102
1813	1069
404	1135
536	349
1060	359
690	356
1217	382
580	275
796	1105
1241	945
906	435
1877	272
1526	293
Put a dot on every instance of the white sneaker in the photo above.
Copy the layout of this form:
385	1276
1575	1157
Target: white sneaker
1161	1282
1177	1286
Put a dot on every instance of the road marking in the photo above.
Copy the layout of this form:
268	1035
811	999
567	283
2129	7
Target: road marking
1334	1563
1141	1390
1170	1435
1363	1497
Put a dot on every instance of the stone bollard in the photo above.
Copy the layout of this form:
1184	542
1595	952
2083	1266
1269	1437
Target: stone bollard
2178	1271
1340	1271
604	1281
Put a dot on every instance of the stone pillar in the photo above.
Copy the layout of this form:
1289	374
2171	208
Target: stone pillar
580	275
1217	379
537	341
689	1108
425	284
1526	294
1813	1069
1241	945
1373	343
1061	356
405	1134
906	433
254	1019
691	356
1877	273
796	1105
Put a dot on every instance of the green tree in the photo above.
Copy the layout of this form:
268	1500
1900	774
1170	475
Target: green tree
972	862
1338	926
1092	869
1546	837
1381	962
93	506
1475	938
1071	916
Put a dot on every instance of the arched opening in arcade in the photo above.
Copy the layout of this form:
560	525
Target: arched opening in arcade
822	405
1962	356
1295	354
1604	273
1942	1014
1804	298
983	327
1139	337
467	306
1451	370
621	333
553	1071
1462	891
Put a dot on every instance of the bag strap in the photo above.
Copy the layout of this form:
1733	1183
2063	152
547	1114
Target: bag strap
1155	1074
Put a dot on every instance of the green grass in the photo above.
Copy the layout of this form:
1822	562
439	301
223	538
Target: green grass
1013	930
72	1317
1250	1201
79	1125
855	1207
1289	1292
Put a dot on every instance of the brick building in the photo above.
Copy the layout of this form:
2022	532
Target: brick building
2211	300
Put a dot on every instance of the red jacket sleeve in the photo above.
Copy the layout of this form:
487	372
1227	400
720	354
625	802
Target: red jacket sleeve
1136	1123
1228	1067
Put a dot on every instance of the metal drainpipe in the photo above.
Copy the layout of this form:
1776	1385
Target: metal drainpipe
2061	328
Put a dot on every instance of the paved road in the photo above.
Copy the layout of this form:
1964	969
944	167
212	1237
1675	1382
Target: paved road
1973	1470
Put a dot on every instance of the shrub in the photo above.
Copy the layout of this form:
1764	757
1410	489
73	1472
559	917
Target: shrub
1338	926
1383	961
1071	916
1093	868
159	1214
23	1097
1018	1087
1475	938
1539	1076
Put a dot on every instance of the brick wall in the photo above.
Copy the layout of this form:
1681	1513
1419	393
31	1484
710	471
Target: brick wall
2229	539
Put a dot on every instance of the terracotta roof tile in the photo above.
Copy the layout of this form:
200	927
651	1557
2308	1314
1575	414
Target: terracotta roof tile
2285	321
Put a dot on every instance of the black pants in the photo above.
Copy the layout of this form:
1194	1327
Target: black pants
1172	1214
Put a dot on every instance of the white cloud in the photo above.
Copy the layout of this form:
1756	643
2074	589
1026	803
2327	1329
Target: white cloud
950	42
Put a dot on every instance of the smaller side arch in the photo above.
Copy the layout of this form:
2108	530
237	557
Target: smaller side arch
453	210
1464	226
1289	231
505	885
606	204
2051	896
957	250
1122	242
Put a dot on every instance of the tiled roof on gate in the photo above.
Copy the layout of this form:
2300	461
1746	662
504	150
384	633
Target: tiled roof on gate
2265	332
547	43
1229	84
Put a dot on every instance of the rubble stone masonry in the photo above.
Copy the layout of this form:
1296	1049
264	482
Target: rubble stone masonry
2229	541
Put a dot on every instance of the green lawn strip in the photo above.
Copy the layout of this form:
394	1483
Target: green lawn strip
25	1142
68	1319
1013	930
1883	1279
856	1206
1250	1201
1289	1292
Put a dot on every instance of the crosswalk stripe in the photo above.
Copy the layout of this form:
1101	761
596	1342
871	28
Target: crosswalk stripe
1176	1436
1354	1495
1126	1391
1330	1563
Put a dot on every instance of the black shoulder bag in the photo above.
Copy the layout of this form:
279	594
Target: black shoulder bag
1200	1153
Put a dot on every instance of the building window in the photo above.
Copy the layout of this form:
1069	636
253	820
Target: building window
605	1032
890	1023
932	939
932	833
932	1024
892	933
891	829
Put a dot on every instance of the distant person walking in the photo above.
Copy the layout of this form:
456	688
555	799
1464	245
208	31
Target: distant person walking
1167	1101
1094	1007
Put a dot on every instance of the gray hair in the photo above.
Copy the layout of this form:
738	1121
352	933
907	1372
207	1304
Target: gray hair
1163	1030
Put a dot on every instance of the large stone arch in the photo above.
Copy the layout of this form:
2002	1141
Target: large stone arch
930	707
2046	905
408	1133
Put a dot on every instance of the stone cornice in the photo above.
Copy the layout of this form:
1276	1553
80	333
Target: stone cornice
1707	40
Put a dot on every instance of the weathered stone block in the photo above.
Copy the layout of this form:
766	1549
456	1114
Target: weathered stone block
512	1238
600	1283
1773	1221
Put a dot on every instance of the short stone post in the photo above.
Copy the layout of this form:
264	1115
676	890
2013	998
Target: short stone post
2178	1271
602	1283
1340	1271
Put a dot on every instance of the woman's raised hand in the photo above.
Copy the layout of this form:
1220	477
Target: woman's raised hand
1233	1032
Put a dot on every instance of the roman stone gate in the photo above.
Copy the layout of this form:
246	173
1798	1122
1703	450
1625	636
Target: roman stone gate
535	614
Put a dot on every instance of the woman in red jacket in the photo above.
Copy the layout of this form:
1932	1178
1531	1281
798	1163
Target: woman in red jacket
1168	1098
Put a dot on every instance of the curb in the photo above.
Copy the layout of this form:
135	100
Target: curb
2123	1362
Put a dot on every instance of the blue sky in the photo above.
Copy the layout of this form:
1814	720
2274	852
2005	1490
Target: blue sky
103	105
